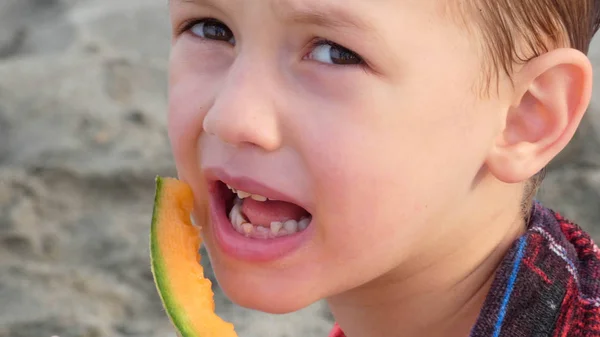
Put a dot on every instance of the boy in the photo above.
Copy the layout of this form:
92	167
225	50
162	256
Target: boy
383	154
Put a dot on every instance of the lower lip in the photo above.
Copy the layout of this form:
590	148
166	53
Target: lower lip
240	247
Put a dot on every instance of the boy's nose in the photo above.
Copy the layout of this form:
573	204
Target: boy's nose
243	111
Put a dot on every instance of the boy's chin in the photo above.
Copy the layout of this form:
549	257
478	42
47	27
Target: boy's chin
272	305
264	297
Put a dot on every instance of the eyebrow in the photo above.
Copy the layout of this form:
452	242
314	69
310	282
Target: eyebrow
315	13
320	14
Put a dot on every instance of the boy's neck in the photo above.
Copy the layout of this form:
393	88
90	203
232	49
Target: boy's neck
441	297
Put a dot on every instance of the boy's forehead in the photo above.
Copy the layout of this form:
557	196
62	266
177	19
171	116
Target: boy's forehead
322	12
355	14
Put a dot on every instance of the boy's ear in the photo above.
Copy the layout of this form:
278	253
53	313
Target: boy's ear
551	94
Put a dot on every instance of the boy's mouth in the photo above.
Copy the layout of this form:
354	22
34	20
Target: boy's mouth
260	217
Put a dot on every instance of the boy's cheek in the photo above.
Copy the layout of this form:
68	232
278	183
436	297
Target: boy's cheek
189	97
184	127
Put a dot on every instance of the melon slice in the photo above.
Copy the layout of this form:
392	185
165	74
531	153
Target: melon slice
175	243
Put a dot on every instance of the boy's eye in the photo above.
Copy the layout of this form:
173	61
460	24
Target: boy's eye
329	52
324	51
212	29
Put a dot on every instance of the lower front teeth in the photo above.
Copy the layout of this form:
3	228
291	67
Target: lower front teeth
276	229
276	226
247	228
291	226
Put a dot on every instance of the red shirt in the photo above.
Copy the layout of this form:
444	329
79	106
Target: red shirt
336	331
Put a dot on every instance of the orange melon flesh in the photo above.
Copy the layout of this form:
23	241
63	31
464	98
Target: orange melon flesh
175	243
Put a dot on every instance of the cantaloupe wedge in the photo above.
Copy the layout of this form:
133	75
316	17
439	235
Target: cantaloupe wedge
175	260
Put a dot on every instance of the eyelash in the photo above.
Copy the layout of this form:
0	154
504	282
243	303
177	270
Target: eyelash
318	42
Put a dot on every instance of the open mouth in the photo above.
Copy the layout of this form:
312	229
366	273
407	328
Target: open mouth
260	217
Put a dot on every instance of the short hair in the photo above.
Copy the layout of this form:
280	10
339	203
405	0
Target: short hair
516	31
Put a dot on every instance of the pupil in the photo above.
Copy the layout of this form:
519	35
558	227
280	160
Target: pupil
217	31
342	56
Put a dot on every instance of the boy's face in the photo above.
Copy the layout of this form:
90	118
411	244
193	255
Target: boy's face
365	112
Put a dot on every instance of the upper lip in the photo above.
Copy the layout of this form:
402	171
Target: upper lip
249	185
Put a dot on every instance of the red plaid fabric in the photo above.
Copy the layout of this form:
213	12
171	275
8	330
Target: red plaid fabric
336	332
548	284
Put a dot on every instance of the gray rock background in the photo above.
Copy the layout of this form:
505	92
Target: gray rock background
82	135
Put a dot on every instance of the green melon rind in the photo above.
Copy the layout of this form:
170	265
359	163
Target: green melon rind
177	316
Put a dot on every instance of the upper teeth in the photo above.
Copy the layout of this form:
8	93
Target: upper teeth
243	194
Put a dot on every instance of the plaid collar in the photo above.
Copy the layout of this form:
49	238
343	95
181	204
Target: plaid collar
548	284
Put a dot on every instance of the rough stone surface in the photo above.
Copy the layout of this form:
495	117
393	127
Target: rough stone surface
82	136
33	27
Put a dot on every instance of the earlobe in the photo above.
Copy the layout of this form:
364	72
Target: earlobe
551	95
